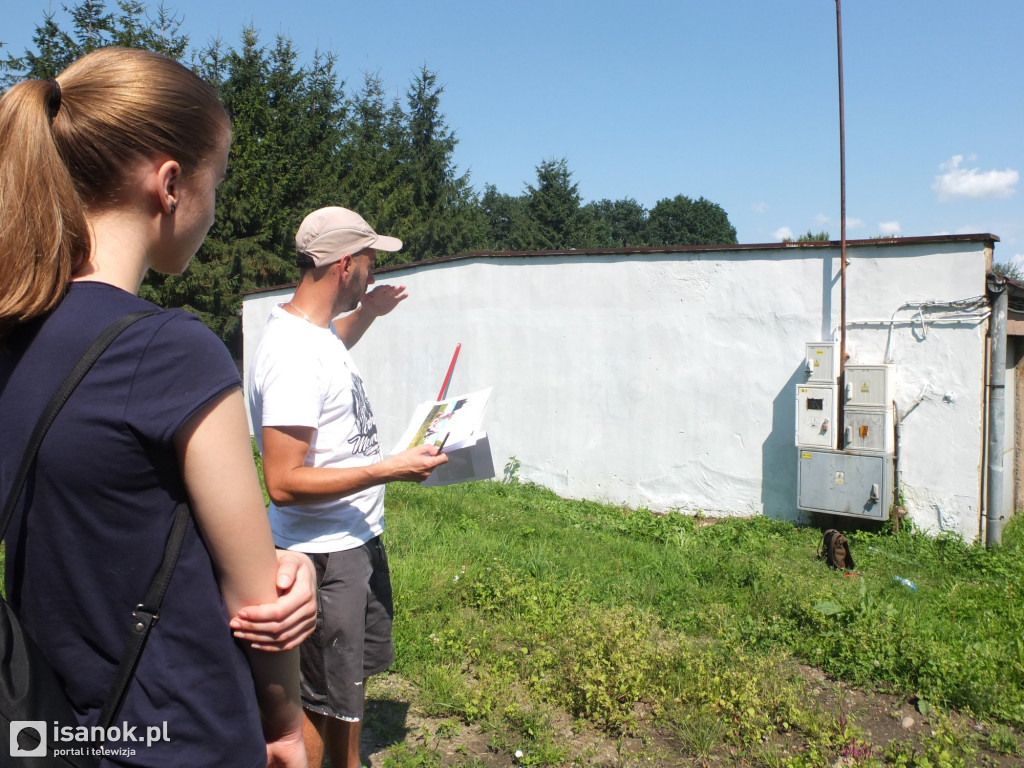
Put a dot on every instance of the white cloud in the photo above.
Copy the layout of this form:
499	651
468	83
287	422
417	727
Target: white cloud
759	207
821	219
853	223
783	233
889	228
962	182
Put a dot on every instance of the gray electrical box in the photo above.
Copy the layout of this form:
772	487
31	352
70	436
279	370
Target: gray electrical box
816	415
821	361
845	483
868	429
870	385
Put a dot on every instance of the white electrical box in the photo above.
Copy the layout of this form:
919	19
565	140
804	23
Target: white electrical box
816	415
822	362
868	385
868	428
845	483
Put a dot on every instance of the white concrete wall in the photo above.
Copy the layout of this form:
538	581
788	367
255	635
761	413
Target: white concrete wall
667	380
940	368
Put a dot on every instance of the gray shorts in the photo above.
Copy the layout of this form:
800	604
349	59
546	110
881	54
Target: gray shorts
352	639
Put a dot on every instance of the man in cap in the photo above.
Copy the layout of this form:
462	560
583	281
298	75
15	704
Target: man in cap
324	470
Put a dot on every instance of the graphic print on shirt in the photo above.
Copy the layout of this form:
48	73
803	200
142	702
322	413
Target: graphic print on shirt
364	441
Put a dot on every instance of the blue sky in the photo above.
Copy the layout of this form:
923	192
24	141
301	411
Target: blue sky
733	100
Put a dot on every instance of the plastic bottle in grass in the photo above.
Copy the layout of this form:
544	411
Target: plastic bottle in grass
905	582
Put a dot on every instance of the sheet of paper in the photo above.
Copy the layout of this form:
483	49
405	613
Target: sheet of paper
471	462
455	421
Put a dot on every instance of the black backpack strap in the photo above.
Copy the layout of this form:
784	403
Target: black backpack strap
824	552
57	401
144	617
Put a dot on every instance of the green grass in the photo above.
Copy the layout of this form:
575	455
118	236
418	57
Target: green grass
516	608
513	604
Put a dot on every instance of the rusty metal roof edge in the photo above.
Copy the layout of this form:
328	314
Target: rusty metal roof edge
626	251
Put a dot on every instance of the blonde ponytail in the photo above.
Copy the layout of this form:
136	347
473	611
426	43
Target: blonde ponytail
43	236
65	146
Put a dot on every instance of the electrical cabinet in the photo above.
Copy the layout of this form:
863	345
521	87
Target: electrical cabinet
816	415
868	429
821	362
867	408
852	473
868	385
845	483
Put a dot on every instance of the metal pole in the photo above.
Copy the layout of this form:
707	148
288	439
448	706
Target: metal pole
842	229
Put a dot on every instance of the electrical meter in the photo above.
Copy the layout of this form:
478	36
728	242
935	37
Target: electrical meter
816	415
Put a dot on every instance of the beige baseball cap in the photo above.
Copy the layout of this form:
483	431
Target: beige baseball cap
330	234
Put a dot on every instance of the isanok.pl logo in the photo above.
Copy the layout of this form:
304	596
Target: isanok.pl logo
28	738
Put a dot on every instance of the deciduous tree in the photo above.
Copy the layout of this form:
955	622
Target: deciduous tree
624	222
682	221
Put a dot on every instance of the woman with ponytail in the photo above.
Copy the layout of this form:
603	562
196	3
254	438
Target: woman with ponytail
106	171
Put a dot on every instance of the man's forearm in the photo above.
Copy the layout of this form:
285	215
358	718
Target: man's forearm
380	301
351	327
289	482
308	485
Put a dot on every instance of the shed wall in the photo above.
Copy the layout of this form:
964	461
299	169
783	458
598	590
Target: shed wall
668	380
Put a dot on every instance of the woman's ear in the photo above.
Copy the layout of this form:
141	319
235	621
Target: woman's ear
168	185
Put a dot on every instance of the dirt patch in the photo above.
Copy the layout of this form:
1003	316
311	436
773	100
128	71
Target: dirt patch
394	720
884	719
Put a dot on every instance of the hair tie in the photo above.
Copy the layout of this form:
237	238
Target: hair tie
53	104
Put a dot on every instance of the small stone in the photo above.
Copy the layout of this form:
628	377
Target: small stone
907	722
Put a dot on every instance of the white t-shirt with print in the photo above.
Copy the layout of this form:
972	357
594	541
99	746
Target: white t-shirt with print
303	376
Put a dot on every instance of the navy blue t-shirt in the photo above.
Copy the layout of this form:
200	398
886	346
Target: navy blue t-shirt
100	504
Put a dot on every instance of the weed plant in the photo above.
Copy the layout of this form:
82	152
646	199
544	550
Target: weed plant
513	603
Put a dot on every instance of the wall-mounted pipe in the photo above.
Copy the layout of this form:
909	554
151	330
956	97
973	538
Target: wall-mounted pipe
996	412
897	428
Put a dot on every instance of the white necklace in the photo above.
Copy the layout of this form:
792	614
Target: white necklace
304	315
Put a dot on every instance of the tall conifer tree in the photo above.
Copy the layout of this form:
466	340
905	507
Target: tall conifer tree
372	158
555	207
508	221
443	219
